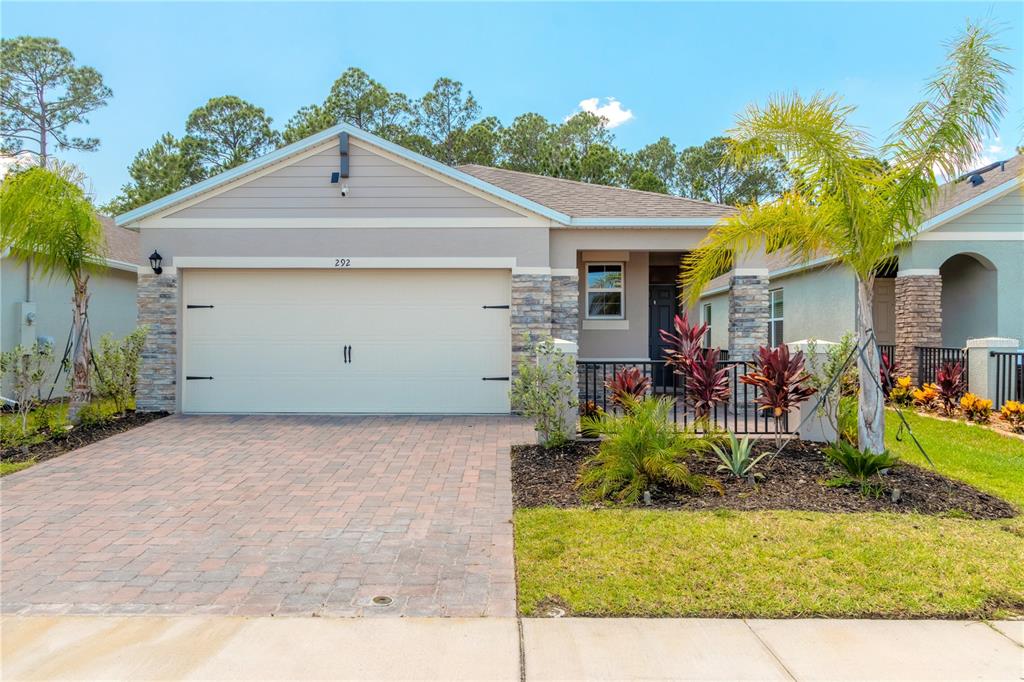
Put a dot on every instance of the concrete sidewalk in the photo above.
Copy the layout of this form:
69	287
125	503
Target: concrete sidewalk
232	648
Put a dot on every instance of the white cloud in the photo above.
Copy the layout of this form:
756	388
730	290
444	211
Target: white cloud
18	160
611	110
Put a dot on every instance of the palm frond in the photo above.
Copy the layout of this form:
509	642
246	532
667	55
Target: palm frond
790	225
46	218
944	132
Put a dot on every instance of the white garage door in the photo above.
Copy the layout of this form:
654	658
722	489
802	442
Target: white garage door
371	341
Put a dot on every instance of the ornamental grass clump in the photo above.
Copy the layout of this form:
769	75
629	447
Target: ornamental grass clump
641	450
1012	412
976	409
860	465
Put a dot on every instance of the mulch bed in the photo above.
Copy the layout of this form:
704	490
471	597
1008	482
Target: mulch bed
795	480
78	437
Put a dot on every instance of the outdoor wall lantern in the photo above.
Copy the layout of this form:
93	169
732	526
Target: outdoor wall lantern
155	259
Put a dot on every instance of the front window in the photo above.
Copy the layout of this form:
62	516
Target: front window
706	315
775	318
605	291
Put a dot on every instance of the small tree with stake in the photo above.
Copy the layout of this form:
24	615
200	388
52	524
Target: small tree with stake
48	221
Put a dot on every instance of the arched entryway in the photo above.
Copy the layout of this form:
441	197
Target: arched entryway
969	299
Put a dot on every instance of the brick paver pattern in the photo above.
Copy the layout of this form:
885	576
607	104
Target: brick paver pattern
260	515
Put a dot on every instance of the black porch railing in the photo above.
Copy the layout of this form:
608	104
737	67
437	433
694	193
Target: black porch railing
740	414
1009	377
888	350
931	358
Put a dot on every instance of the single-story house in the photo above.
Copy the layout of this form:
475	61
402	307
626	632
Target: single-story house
961	277
344	273
35	307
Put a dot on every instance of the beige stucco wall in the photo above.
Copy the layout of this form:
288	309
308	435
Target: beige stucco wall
565	243
112	306
817	304
619	343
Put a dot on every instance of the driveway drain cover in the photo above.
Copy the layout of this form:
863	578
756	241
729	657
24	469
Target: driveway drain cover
381	601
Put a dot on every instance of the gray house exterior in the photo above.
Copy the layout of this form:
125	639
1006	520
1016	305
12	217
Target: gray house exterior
962	277
346	274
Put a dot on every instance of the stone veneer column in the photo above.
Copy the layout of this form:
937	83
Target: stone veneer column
918	316
158	308
530	314
565	306
748	314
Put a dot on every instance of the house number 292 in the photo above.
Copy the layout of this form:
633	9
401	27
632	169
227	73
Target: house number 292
342	262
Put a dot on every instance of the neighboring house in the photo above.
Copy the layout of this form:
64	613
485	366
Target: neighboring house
344	273
961	277
47	300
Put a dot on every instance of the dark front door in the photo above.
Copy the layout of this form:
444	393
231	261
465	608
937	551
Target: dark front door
663	307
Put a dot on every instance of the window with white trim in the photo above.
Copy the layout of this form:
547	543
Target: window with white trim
706	319
605	291
775	318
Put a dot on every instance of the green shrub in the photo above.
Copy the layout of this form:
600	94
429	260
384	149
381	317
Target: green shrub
544	390
642	448
738	461
25	368
116	370
98	412
859	464
846	419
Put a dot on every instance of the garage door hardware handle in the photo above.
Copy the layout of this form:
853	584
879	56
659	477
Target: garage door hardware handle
347	351
198	378
190	306
495	378
498	307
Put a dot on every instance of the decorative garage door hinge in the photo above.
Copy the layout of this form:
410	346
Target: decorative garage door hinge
494	378
501	307
191	378
190	306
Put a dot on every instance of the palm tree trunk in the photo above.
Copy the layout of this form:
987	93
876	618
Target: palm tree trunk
870	403
81	388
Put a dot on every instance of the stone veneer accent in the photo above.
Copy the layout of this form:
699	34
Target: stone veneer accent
158	308
918	318
748	315
530	315
565	307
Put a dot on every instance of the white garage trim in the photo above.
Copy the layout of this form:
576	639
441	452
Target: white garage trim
344	263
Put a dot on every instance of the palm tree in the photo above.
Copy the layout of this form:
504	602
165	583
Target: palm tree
849	200
47	220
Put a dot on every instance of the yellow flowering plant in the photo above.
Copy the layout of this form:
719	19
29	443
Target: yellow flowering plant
925	396
901	392
976	409
1012	413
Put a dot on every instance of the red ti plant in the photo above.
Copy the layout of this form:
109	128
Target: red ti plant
707	384
685	343
949	381
887	371
781	382
627	387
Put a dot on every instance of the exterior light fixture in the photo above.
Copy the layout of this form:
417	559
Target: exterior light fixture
155	259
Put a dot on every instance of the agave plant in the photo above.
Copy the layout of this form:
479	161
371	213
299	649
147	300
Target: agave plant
685	343
628	387
707	384
641	449
738	461
781	381
949	382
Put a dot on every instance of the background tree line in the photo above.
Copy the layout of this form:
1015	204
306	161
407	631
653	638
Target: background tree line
44	93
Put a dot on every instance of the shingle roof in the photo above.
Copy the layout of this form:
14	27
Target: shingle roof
957	192
586	200
122	244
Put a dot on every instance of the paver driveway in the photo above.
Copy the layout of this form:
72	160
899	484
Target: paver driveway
269	514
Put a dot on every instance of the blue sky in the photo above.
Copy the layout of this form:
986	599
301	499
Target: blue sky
683	70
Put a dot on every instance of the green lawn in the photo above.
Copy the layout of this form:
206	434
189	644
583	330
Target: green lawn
786	564
982	457
11	467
